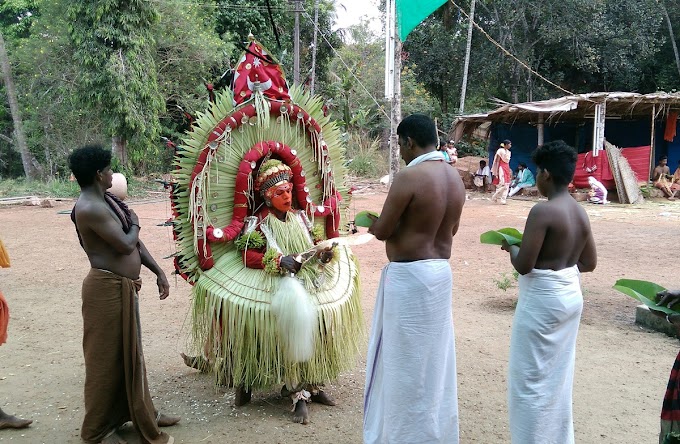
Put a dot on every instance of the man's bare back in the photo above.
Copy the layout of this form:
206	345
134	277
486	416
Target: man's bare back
565	230
107	246
557	234
421	213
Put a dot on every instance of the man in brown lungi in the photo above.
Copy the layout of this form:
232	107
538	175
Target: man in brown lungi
116	388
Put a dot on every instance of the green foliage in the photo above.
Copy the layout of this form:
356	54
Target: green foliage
51	188
365	158
504	282
114	48
472	147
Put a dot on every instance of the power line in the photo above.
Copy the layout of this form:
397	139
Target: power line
508	53
224	6
304	12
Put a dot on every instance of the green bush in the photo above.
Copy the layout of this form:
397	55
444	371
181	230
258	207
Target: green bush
364	156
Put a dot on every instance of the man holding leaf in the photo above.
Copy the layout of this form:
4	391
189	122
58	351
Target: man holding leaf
557	245
411	393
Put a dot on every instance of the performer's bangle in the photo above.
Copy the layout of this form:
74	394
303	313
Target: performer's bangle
668	319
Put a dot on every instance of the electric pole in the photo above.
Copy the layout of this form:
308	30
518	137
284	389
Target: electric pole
467	57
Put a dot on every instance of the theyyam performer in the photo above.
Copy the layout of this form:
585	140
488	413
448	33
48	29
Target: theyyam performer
259	202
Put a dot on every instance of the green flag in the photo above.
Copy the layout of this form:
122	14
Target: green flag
411	12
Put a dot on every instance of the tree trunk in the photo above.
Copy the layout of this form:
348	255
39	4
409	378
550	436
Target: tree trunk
670	31
32	168
119	148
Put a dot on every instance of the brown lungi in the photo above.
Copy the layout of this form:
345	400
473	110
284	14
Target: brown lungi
116	389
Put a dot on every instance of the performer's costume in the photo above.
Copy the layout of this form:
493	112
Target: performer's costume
542	356
229	245
116	387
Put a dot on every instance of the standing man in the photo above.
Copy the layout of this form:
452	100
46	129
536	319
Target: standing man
556	248
411	394
501	172
116	388
7	421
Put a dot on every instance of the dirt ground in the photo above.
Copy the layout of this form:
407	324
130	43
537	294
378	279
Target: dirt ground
621	369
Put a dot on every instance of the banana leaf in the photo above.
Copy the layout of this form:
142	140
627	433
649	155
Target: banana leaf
496	237
643	291
362	218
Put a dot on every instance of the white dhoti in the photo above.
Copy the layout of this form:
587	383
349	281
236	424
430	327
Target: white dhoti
411	394
542	354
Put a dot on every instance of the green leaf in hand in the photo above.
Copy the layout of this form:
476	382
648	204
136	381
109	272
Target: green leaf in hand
364	219
496	237
643	291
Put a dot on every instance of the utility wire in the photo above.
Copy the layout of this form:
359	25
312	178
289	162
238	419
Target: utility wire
350	70
508	53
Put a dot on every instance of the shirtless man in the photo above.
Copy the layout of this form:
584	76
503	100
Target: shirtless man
116	389
411	392
661	176
557	246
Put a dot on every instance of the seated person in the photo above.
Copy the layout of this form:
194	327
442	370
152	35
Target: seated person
675	186
598	193
661	176
482	178
524	179
452	152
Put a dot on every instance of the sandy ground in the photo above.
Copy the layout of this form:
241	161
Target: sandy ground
621	369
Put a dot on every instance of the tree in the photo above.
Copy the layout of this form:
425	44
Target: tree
114	48
32	168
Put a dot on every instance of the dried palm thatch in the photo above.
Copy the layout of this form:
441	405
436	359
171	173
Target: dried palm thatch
626	181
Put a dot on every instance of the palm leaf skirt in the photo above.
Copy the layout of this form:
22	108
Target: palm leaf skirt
232	314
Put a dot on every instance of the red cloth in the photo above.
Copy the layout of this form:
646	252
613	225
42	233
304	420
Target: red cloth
671	124
637	157
671	401
256	65
4	319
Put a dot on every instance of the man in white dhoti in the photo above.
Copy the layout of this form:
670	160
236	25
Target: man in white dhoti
556	247
411	394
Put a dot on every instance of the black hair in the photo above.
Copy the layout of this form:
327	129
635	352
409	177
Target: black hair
663	157
482	162
86	161
523	165
420	129
559	159
506	142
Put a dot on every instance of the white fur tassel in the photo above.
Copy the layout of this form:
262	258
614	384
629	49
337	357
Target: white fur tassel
296	319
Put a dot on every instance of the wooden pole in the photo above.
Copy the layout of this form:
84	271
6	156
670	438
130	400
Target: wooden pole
652	145
540	130
296	43
316	27
395	115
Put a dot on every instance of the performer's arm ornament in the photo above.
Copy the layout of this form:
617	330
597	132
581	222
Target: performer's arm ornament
272	261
